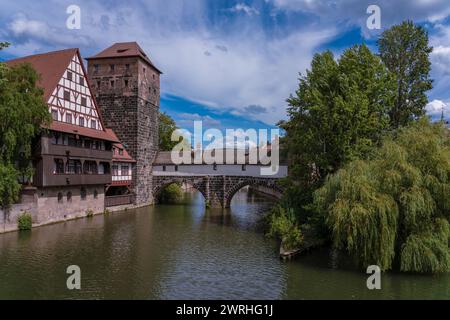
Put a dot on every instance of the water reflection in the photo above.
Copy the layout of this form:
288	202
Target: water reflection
185	252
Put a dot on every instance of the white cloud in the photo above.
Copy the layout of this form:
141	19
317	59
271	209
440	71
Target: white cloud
241	7
245	66
436	107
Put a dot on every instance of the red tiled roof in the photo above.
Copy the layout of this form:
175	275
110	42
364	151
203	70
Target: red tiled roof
125	157
50	66
124	49
83	131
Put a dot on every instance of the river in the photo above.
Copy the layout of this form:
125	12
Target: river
184	251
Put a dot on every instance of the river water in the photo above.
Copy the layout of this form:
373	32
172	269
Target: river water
186	252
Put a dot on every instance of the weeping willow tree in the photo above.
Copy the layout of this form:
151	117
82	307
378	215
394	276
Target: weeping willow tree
394	208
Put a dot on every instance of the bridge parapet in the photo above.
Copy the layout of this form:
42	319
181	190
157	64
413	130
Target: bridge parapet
218	190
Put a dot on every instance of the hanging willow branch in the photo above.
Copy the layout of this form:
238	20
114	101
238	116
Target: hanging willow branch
395	205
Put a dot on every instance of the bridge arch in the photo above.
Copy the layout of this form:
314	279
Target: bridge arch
253	182
160	184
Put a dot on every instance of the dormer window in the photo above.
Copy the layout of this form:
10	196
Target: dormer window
121	152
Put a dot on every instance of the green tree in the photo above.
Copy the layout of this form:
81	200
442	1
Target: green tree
22	112
166	127
404	50
395	207
337	114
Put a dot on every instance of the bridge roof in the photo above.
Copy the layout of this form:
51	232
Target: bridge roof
165	157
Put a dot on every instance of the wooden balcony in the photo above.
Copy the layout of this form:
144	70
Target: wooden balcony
114	201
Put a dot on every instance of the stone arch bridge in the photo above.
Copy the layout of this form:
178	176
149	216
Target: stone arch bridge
217	182
218	191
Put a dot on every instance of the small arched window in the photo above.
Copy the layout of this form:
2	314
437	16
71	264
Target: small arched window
83	193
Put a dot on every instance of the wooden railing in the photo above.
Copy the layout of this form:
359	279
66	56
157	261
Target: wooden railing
114	201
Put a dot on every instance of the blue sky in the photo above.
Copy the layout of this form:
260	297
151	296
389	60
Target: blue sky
231	64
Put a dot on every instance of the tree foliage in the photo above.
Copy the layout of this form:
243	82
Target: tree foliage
166	127
22	112
405	51
337	114
395	207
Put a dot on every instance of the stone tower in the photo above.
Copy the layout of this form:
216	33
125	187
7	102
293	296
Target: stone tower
126	85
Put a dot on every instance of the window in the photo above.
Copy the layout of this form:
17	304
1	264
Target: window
60	197
69	196
111	67
87	144
101	168
215	167
164	168
127	67
124	170
56	138
73	167
83	193
67	95
153	76
95	194
55	115
112	83
126	83
58	167
98	84
68	118
95	67
143	69
83	101
81	122
90	167
176	168
121	152
244	167
81	81
93	124
115	170
69	75
72	141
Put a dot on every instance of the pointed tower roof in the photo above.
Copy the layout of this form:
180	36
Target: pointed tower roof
124	49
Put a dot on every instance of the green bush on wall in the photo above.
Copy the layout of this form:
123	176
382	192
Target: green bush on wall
25	221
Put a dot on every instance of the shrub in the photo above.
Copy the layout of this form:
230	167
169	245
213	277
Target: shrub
171	194
25	221
89	213
283	225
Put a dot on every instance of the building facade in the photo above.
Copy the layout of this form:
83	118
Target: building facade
126	85
80	163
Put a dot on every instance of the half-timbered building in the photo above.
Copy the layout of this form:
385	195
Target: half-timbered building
73	159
